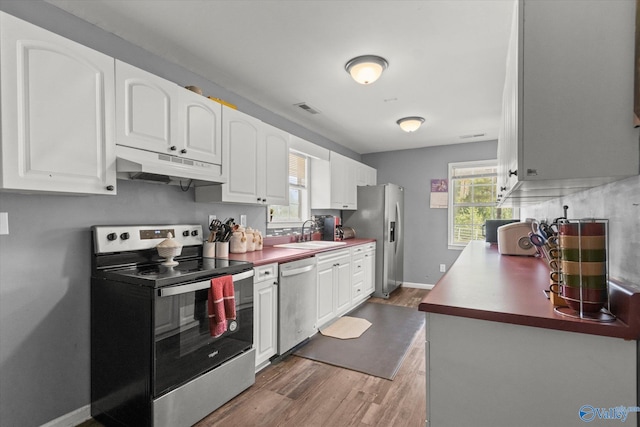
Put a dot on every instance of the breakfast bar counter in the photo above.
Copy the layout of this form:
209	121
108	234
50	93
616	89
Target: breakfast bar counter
497	354
482	284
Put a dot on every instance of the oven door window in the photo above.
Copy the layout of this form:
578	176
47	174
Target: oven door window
183	345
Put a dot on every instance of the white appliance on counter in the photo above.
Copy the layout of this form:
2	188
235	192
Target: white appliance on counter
513	239
380	216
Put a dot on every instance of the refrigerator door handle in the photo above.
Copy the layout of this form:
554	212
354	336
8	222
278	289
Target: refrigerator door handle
399	227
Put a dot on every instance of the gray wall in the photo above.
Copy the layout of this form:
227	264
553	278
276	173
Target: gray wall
425	228
44	288
51	18
45	260
620	203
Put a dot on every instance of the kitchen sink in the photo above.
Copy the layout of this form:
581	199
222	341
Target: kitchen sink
315	244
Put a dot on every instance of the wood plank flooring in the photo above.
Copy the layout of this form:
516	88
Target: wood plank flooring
302	392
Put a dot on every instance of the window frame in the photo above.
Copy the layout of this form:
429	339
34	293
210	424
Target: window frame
450	216
305	199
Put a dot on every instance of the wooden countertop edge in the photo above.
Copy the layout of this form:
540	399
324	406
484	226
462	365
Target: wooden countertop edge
519	279
271	254
617	329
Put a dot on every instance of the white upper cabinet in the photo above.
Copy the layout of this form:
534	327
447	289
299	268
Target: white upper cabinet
243	148
344	193
366	175
334	183
255	160
276	144
200	122
143	109
57	103
568	99
157	115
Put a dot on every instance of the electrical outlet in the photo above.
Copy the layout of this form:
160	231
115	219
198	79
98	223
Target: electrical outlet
443	268
243	220
211	218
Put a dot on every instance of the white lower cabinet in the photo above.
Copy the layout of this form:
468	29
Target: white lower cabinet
363	269
369	284
334	285
345	279
265	313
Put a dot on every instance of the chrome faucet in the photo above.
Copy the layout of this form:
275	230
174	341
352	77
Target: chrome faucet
310	230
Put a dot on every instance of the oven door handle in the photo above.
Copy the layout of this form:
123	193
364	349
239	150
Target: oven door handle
198	286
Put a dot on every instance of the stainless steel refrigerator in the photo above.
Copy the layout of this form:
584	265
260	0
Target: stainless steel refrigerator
380	216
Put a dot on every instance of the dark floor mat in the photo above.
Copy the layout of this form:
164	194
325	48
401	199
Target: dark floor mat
380	350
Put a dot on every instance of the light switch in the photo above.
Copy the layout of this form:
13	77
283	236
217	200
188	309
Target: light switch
4	223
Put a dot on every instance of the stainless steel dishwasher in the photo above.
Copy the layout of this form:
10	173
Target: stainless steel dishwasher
297	298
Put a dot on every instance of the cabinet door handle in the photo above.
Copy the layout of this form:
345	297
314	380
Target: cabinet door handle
173	148
503	188
511	173
183	151
110	188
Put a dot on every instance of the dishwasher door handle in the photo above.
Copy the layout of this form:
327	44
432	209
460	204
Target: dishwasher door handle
296	271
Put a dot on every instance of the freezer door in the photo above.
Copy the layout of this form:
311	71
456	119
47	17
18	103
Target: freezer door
393	240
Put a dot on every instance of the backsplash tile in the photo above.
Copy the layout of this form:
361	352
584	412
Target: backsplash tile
619	202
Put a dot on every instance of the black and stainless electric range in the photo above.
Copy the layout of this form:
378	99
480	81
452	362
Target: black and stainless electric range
154	360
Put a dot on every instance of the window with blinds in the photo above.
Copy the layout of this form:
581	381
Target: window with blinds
298	208
472	200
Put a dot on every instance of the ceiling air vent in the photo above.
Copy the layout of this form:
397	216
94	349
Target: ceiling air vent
475	135
306	107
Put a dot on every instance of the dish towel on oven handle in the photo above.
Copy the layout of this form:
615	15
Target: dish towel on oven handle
221	304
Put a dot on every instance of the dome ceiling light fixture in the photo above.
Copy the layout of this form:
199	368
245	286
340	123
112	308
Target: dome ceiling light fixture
366	69
410	124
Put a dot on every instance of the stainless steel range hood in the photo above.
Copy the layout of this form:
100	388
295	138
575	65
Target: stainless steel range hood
133	163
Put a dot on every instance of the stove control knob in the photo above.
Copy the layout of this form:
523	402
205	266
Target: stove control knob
124	236
233	325
194	233
112	236
185	233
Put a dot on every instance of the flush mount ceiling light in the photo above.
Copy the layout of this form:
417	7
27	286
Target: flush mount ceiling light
410	124
366	69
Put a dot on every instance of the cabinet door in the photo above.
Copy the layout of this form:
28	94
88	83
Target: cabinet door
578	106
369	267
365	175
343	182
325	293
343	285
276	165
357	279
201	131
241	141
144	116
57	112
265	320
320	184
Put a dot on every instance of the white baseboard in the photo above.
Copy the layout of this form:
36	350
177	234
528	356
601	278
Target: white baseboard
417	285
71	419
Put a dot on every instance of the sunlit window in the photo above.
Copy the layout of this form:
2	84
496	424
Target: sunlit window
472	200
298	208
